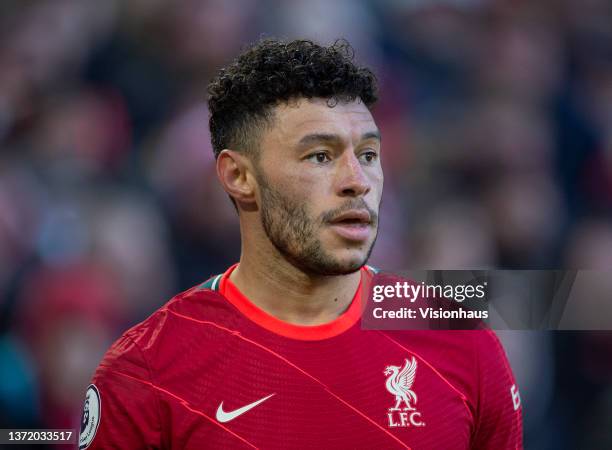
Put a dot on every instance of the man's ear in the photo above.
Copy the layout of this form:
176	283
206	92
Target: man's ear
235	172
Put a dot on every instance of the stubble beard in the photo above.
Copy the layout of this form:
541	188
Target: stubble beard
293	233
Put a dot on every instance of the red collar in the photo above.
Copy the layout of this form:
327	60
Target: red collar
302	332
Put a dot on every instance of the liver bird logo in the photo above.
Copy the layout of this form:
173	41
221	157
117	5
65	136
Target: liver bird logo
400	383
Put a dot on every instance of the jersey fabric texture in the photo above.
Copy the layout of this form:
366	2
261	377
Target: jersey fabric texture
212	370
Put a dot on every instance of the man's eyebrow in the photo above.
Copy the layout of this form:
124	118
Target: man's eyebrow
371	135
329	138
317	138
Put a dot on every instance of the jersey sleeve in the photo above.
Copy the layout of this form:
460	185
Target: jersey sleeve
499	423
121	409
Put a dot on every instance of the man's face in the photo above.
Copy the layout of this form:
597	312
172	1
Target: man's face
320	184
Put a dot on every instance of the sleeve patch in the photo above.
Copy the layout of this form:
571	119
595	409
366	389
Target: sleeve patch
90	420
516	397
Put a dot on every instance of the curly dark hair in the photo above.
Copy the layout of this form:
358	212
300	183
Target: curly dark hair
242	96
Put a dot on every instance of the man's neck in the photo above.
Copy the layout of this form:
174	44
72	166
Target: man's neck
287	293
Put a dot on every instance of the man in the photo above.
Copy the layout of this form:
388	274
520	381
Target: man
270	354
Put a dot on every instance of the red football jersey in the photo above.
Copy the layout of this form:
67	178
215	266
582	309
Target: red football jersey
212	370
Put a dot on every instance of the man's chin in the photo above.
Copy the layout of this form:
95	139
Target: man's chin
339	267
345	261
336	261
342	270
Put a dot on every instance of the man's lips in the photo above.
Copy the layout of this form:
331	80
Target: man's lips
355	216
353	225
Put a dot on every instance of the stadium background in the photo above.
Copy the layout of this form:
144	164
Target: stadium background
497	130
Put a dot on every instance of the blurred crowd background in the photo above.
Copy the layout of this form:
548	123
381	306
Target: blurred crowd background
497	145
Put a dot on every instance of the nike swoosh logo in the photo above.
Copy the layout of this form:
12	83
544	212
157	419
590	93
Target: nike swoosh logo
223	416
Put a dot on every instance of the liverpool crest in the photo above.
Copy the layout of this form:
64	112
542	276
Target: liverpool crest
399	384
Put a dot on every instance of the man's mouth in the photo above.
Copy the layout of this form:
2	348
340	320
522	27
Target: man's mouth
355	216
353	225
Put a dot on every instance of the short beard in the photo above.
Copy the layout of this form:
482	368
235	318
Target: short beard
293	233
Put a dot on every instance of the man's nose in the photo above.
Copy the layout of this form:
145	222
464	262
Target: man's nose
352	180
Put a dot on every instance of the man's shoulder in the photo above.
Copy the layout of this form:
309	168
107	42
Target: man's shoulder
178	320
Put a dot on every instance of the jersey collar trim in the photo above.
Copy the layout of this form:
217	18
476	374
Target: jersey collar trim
300	332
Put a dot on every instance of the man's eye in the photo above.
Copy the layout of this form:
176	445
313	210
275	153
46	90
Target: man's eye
368	157
319	157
